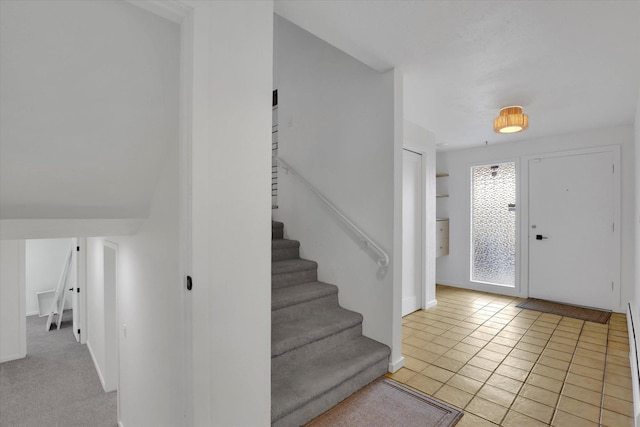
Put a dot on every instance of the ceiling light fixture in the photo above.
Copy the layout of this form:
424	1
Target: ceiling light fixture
511	120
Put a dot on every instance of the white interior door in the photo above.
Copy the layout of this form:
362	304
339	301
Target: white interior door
73	286
572	236
412	231
81	289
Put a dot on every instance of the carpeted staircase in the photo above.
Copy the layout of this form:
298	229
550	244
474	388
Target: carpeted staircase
318	353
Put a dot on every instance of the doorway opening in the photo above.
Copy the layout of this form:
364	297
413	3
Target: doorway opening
51	283
60	366
413	193
112	343
493	224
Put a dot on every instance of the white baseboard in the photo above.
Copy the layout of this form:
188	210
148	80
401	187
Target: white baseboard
394	366
95	363
633	360
12	357
430	304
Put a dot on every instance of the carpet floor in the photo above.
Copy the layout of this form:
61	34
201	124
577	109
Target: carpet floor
582	313
56	385
386	403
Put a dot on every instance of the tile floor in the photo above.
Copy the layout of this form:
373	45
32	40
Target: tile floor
508	366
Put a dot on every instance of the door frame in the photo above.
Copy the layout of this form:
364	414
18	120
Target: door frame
428	166
77	276
80	271
617	215
112	340
423	234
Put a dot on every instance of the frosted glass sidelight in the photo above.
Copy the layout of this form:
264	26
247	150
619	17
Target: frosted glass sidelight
493	224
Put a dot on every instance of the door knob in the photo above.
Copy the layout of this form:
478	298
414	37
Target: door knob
540	237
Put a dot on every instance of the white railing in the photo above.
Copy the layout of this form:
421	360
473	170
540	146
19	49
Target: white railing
383	258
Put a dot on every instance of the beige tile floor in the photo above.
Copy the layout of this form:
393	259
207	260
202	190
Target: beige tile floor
507	366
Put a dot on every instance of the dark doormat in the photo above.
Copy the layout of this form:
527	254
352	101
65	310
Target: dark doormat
583	313
385	403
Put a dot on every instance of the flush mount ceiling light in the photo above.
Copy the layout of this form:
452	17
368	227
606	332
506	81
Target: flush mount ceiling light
511	120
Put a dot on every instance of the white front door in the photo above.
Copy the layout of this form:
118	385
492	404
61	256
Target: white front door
573	256
412	231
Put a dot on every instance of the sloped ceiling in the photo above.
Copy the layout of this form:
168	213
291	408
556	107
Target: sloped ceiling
572	65
88	107
89	90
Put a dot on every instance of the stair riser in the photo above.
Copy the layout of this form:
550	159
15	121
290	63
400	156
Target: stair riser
282	298
277	230
296	311
321	356
329	399
307	351
277	233
284	254
294	278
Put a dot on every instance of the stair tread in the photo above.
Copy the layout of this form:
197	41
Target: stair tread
284	244
292	265
319	355
292	295
294	386
293	334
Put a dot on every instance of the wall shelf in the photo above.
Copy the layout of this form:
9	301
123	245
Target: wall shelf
442	225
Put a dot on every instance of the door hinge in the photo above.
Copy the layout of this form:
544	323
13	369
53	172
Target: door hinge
78	331
189	283
78	290
78	248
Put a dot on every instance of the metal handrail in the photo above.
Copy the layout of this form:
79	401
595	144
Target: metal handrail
383	258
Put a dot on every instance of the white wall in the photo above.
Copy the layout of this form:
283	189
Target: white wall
636	219
89	104
149	303
636	294
231	131
45	261
111	323
336	128
101	302
454	268
395	305
96	305
635	301
13	322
